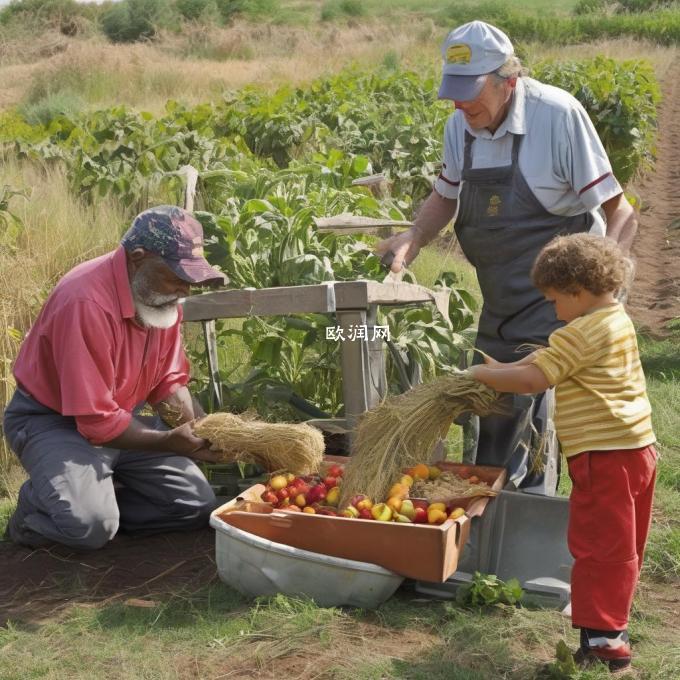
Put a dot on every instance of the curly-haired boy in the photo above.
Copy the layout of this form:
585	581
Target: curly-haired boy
603	422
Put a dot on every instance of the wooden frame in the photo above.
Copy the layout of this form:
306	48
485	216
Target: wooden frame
354	303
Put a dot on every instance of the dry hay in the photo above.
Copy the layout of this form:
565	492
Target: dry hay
404	430
447	486
297	448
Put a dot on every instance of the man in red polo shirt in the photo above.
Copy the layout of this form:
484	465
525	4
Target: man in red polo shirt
107	341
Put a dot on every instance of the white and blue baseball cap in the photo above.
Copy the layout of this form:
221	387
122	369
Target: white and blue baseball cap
470	53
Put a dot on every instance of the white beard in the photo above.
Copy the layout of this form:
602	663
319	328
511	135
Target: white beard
156	317
154	310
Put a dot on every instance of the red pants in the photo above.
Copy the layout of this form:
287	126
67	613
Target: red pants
610	510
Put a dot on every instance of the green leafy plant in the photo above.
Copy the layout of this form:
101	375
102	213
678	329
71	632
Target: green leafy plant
11	225
486	590
621	99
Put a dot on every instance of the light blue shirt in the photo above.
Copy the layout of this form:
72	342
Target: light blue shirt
561	157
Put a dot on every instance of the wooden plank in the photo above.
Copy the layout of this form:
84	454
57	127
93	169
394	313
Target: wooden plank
332	425
347	223
354	366
361	294
210	337
226	304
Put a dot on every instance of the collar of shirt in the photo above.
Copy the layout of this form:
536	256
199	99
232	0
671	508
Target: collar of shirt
515	121
122	283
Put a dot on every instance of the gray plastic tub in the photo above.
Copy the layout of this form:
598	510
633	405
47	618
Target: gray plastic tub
256	566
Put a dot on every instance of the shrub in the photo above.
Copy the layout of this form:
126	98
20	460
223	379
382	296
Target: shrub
661	26
199	10
332	9
67	16
52	106
621	99
589	6
637	6
133	20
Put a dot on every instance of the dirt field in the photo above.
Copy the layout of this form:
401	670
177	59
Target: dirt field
655	298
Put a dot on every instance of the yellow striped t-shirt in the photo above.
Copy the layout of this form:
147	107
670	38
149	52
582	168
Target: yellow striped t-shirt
600	399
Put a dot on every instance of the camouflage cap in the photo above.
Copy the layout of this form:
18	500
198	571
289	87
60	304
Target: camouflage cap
177	237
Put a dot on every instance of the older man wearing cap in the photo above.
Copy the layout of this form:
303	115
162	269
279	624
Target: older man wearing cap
522	163
106	341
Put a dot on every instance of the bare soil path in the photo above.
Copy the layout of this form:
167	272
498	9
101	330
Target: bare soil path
36	585
655	298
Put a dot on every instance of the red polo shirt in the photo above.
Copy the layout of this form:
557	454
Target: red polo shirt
85	355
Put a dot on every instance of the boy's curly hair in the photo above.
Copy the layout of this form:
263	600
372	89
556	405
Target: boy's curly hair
569	264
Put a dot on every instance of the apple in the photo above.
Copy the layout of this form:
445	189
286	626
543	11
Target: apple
365	513
401	518
436	516
420	471
408	509
366	504
282	494
398	490
420	516
420	503
333	496
316	493
331	512
382	512
434	471
394	503
349	511
302	487
330	482
456	513
406	480
284	503
336	471
269	497
278	482
355	500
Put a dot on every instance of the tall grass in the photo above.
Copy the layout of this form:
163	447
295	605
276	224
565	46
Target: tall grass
58	232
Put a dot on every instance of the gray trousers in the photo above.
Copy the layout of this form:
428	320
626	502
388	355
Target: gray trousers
70	495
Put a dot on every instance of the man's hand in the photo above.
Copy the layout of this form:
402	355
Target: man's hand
179	407
435	213
180	440
405	247
184	442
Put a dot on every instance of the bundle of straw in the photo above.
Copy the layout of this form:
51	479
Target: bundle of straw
296	448
404	430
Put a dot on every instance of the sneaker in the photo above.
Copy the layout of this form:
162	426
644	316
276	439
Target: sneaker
613	652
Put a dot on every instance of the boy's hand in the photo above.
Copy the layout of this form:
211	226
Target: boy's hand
475	371
491	362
